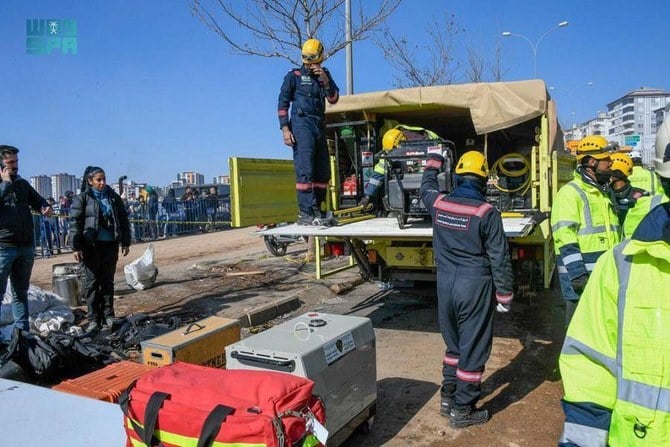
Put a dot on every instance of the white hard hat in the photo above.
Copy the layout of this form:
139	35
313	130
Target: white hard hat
662	161
635	155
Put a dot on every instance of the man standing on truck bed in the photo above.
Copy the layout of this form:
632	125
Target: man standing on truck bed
305	90
583	221
473	260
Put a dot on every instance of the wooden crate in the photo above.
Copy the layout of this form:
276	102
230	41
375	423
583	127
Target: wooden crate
201	343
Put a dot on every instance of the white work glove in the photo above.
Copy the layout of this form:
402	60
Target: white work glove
503	308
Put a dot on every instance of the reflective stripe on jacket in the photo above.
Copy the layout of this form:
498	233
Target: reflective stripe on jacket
615	362
376	179
584	226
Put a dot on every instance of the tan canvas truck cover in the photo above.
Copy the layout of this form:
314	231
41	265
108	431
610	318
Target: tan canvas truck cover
490	106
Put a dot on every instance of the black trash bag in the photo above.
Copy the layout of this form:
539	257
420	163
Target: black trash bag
38	360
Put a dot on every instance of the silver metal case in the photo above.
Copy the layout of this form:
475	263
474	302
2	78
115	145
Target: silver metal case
336	352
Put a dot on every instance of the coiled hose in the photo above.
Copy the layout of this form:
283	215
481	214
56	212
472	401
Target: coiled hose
499	166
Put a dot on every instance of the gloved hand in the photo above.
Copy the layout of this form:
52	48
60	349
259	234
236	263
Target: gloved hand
504	308
579	283
365	201
538	216
435	160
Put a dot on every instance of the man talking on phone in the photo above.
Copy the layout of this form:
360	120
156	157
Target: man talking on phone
17	242
305	90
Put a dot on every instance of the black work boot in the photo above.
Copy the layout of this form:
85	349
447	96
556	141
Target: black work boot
447	399
446	404
464	417
324	219
304	219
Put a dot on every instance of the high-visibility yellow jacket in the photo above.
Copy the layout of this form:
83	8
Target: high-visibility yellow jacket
584	226
642	207
645	179
615	362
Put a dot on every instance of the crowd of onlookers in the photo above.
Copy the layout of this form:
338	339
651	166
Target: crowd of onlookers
151	216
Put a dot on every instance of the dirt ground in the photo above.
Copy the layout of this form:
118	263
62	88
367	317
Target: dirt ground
521	384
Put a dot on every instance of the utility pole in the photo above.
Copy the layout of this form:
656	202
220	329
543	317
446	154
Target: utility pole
349	49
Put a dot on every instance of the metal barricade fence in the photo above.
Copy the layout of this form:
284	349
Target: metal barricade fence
177	218
171	219
49	235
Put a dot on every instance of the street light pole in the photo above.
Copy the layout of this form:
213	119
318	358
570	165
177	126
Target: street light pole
534	46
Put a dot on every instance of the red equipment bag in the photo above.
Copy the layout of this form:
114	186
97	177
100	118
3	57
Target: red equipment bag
190	405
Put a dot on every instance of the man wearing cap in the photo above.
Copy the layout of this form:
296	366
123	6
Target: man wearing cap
583	221
305	90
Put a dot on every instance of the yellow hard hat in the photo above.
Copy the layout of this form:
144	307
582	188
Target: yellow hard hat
622	162
312	52
392	139
595	146
473	162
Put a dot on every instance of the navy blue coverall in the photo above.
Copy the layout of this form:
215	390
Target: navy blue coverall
473	259
306	96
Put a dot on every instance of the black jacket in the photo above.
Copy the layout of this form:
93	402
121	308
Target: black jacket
85	216
16	222
467	231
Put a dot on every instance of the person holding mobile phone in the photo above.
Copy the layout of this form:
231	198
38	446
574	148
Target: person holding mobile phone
305	91
17	237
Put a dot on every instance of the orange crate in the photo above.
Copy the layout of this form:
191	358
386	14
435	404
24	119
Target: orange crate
107	383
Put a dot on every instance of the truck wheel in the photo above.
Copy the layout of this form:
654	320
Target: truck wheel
275	247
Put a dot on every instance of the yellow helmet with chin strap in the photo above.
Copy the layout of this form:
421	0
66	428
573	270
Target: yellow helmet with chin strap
473	162
595	146
312	52
622	162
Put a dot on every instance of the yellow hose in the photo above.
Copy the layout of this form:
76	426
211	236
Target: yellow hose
499	166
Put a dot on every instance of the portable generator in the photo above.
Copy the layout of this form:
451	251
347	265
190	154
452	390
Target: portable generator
404	170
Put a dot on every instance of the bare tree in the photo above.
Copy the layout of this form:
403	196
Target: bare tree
497	70
276	28
475	68
428	64
438	61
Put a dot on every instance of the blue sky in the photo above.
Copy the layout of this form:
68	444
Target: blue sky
152	91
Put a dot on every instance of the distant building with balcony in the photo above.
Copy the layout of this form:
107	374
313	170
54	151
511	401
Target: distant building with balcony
634	119
221	180
600	125
630	121
42	184
191	178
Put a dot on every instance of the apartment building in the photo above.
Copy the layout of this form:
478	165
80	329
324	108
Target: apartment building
60	183
42	184
630	121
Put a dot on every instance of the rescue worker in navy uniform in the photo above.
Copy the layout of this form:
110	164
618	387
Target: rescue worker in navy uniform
305	90
473	260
